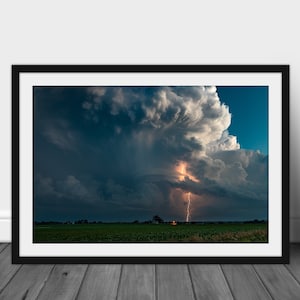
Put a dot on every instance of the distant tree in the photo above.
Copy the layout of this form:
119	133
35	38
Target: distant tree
81	222
157	219
135	222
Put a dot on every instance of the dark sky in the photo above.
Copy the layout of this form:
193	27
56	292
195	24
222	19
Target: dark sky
129	153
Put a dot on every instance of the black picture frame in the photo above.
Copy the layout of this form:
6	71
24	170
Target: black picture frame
19	132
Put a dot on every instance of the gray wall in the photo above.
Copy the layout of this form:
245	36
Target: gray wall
135	32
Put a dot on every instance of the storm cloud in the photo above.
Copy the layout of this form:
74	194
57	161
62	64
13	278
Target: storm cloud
128	153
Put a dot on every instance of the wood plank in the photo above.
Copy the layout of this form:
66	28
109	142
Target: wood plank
294	266
174	282
100	282
27	283
64	282
209	282
2	246
279	281
244	282
137	282
7	270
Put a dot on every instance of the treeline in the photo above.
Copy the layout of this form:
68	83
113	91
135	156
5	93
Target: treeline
66	222
85	221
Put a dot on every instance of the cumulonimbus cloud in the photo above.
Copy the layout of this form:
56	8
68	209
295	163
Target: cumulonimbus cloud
141	134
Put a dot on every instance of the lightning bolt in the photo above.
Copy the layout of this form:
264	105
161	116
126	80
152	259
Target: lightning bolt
188	209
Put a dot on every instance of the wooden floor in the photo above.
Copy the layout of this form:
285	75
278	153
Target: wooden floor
164	282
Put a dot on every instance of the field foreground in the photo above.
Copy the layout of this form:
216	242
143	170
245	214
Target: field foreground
147	233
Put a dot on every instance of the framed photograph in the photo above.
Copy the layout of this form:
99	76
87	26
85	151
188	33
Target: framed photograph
150	163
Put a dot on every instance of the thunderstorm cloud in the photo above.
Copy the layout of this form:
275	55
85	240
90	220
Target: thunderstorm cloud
128	153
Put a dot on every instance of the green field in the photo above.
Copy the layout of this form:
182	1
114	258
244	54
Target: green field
118	232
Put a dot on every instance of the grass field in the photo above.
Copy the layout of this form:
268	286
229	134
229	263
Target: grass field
113	233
